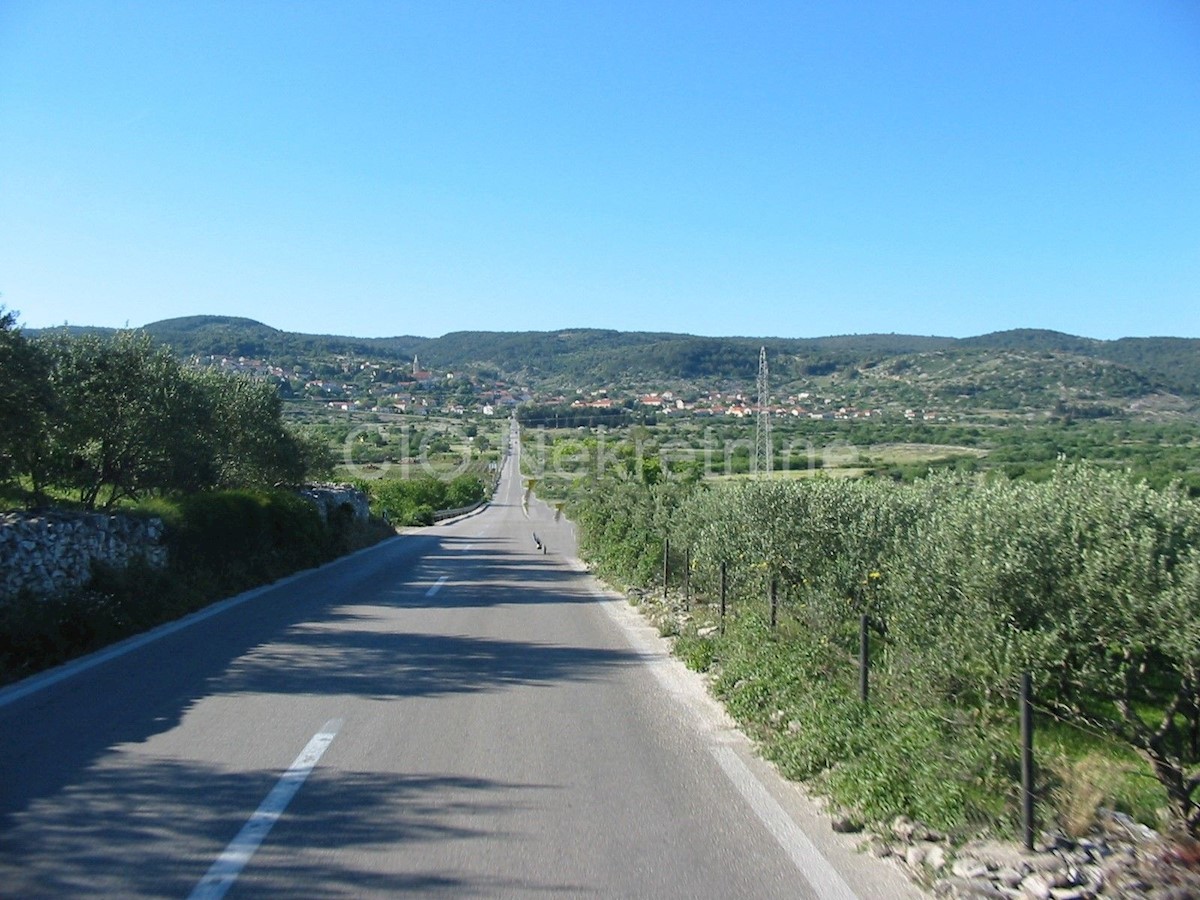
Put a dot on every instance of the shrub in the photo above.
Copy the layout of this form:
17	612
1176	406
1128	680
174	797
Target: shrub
1088	578
247	537
464	490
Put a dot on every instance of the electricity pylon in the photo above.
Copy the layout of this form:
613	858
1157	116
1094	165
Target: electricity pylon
762	436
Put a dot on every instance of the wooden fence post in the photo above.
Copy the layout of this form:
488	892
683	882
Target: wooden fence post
666	565
1027	771
724	587
864	658
687	578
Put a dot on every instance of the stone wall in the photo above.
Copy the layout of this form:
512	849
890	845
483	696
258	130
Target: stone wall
51	551
328	498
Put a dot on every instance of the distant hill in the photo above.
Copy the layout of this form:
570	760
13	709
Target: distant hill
236	336
591	356
1028	363
1172	363
223	335
233	336
1032	339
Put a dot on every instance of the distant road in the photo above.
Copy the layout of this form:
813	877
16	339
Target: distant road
450	713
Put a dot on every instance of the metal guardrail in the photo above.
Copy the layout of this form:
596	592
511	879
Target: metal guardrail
443	514
461	511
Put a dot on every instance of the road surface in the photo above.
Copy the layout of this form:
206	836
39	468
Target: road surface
450	713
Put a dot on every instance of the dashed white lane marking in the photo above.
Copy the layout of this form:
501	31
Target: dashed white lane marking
436	586
224	872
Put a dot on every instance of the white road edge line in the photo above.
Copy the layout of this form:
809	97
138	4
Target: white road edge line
437	586
815	868
224	872
804	854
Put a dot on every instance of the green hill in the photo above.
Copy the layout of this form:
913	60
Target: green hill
1004	370
235	336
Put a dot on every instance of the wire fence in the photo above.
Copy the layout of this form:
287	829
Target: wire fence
1078	785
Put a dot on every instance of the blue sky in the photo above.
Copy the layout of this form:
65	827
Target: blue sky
782	169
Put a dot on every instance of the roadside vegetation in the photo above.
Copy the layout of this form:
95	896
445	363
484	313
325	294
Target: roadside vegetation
418	501
96	422
1088	578
219	544
413	467
116	424
1161	453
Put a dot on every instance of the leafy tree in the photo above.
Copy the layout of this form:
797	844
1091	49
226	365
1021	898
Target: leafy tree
124	419
242	423
464	490
129	420
1089	579
26	406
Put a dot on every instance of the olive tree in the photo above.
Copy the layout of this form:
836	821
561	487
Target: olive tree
249	442
26	405
130	422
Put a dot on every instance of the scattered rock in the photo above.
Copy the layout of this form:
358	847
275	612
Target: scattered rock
966	867
879	848
903	828
1122	859
968	889
1008	877
844	822
1036	887
935	858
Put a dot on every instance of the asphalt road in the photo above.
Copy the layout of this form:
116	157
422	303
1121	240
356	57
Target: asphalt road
453	712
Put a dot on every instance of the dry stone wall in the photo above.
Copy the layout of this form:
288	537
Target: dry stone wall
52	551
48	552
329	498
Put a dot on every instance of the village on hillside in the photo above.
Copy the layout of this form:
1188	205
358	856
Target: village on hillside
344	384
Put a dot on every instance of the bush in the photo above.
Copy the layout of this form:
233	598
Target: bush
121	419
248	537
464	490
415	501
38	632
924	762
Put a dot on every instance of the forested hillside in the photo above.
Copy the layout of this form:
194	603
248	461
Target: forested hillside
1022	362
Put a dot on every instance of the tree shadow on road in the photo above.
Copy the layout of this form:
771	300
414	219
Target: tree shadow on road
384	665
123	833
60	749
